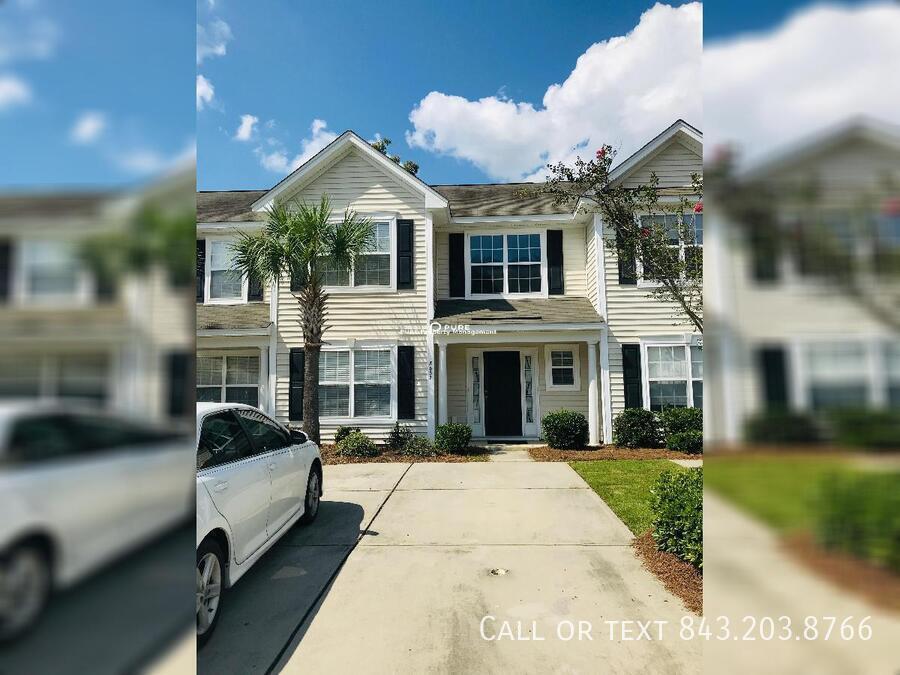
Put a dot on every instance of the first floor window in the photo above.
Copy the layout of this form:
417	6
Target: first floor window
837	375
562	368
77	376
368	379
675	376
892	360
229	379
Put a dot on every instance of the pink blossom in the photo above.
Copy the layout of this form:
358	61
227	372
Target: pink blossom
698	207
891	206
601	153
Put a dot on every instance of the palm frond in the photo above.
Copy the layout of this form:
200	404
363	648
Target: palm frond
348	238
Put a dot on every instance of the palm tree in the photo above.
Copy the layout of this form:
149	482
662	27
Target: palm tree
301	241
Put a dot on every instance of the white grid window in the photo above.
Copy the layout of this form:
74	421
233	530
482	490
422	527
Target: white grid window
224	282
509	263
229	379
686	248
357	384
674	376
334	383
373	267
50	270
562	367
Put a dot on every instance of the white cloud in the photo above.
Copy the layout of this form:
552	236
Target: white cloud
88	127
13	91
245	130
212	39
278	161
205	92
25	38
822	66
141	161
622	91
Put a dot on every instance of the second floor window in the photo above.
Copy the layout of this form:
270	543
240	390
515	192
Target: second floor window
224	282
50	271
505	264
371	268
685	241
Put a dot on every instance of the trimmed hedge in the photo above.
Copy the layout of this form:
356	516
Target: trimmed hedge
342	432
678	420
690	442
636	428
869	429
781	426
357	444
565	429
677	505
452	437
859	514
419	446
399	437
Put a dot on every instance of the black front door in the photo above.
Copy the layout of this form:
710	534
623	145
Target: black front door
502	394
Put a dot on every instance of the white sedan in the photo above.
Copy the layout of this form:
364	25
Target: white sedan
255	479
79	487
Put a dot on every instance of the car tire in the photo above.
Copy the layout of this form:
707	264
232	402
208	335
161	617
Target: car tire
311	499
27	566
210	588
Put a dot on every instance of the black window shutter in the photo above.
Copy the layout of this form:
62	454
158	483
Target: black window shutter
406	383
179	367
106	290
405	276
254	288
764	258
457	264
627	266
5	269
201	268
555	261
631	373
773	373
295	386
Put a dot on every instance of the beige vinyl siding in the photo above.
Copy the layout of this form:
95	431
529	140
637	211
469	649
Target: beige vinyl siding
590	247
389	317
574	261
631	312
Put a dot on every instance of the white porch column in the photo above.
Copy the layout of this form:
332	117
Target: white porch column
605	386
593	398
442	383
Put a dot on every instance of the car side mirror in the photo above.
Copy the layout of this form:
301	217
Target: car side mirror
298	437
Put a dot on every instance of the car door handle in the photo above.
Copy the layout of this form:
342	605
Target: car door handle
273	466
221	487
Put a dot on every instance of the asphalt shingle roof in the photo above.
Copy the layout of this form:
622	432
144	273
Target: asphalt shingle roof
558	309
53	205
217	317
227	206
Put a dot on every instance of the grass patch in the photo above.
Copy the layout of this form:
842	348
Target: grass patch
780	491
625	485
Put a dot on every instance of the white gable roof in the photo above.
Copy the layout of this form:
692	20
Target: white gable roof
680	130
335	150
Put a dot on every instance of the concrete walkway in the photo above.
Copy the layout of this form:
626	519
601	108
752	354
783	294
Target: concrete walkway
505	452
443	546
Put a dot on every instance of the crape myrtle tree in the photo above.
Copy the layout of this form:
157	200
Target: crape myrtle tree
664	249
301	241
381	145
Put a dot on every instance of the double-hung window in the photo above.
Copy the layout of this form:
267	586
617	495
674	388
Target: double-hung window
371	267
674	376
229	379
505	264
837	374
50	272
563	369
356	383
225	284
684	239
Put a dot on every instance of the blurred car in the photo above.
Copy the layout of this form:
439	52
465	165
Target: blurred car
79	487
255	480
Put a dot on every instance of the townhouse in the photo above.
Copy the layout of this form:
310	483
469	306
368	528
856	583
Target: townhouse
779	335
476	305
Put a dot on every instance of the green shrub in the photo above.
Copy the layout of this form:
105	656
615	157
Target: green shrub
565	429
357	444
342	432
399	437
869	429
859	514
678	420
781	426
677	504
636	428
419	446
690	442
452	437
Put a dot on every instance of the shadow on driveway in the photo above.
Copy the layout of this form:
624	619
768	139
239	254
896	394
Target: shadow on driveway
264	610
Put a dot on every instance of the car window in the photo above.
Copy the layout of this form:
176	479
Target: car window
42	438
266	435
222	439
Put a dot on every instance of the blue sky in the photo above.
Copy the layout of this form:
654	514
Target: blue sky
366	66
126	80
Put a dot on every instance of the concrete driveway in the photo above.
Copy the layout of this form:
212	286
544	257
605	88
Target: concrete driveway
396	576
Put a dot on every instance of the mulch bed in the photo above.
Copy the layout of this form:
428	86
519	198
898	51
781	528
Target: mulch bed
330	456
680	578
877	585
545	454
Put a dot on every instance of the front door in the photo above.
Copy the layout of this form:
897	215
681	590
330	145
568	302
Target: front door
502	394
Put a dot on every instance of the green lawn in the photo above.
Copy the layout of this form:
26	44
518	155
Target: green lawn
780	491
625	485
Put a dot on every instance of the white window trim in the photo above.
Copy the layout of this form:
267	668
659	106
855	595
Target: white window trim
644	283
685	341
576	365
207	276
364	346
224	353
541	232
529	429
391	219
81	296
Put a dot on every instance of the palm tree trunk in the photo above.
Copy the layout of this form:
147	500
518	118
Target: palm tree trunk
312	306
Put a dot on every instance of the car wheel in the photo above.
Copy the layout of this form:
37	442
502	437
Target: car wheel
311	501
24	588
210	577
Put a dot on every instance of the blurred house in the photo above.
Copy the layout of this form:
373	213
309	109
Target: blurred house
801	287
124	341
